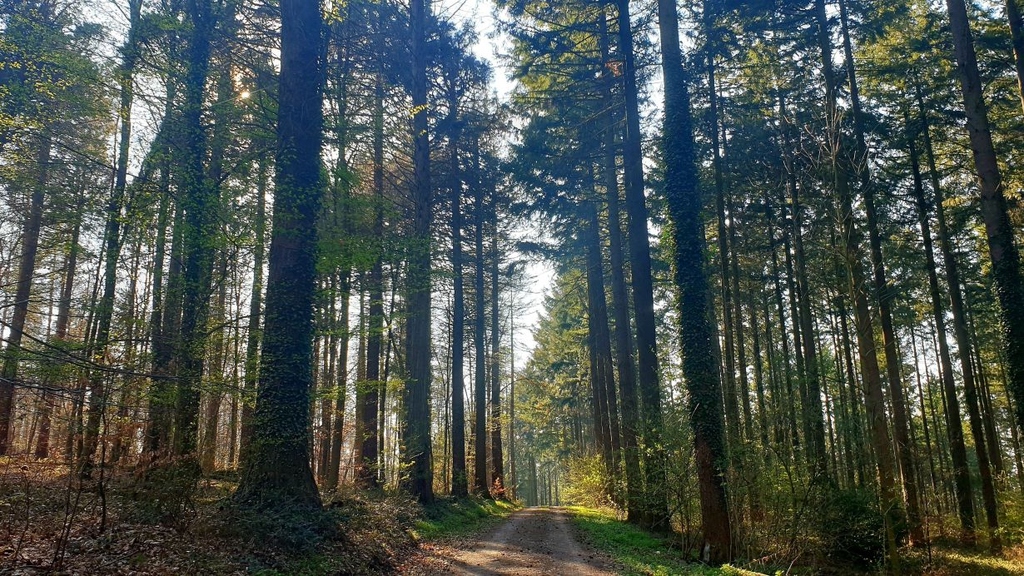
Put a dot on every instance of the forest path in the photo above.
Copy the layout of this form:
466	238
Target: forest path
532	541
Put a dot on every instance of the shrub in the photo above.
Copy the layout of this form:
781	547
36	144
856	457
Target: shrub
587	483
851	527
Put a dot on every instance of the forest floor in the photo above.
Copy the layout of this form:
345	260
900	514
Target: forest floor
113	523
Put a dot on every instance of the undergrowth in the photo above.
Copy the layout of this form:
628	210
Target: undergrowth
121	521
449	517
643	553
638	551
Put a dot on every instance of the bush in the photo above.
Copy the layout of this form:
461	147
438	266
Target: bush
851	527
587	483
165	492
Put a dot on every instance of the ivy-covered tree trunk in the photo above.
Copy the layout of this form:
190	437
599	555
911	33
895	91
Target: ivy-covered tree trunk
199	204
700	363
276	470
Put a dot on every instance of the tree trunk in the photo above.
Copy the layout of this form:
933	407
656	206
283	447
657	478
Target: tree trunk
655	503
700	366
998	228
276	470
367	451
956	306
254	335
480	377
497	457
851	251
416	423
26	272
900	417
199	200
620	301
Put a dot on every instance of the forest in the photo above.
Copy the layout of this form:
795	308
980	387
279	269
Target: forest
294	279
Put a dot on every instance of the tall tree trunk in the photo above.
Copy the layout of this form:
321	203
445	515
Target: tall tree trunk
900	417
460	483
599	341
276	470
851	250
253	332
368	425
620	301
497	456
416	421
166	303
700	366
26	272
960	333
961	474
480	485
60	332
218	359
998	228
732	409
655	501
199	200
332	450
814	426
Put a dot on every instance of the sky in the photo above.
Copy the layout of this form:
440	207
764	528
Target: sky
490	45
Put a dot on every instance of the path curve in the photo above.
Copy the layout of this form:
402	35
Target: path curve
533	541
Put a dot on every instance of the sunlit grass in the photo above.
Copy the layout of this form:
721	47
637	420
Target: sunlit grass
956	562
639	552
454	517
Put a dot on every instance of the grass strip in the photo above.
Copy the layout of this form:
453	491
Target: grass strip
639	552
457	517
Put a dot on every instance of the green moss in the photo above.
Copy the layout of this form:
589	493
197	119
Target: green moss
639	552
454	517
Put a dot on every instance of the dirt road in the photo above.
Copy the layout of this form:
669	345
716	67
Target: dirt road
534	541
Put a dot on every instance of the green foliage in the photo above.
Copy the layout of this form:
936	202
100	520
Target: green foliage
638	551
851	527
166	491
587	483
451	517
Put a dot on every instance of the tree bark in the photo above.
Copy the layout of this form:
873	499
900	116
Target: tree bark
480	376
416	421
26	272
276	470
655	501
700	365
620	301
1003	252
497	456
